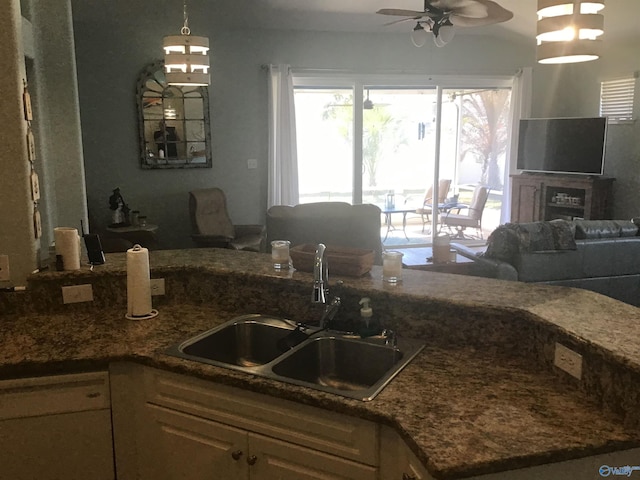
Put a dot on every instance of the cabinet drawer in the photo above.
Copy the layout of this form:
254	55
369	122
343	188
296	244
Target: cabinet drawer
333	433
63	393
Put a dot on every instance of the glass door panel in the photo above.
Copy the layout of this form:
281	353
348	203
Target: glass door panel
324	129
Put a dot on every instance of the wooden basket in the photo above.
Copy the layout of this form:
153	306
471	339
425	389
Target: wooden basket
342	260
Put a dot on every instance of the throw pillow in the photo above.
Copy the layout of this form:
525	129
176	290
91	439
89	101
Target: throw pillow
503	244
535	236
563	235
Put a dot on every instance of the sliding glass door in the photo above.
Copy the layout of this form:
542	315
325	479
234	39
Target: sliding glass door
361	140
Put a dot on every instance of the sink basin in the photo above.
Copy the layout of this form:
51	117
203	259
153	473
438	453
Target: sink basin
339	364
328	361
246	342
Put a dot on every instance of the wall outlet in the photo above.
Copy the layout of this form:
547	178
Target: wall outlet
5	274
568	360
252	163
157	286
77	293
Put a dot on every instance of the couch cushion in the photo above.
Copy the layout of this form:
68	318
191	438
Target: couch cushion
549	265
611	256
586	229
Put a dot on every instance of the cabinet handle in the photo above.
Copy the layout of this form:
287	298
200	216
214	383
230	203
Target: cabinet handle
406	476
252	459
236	454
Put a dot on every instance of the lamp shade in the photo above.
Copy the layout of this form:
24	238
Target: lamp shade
186	60
569	31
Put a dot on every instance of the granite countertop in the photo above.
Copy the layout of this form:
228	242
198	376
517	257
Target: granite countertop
464	410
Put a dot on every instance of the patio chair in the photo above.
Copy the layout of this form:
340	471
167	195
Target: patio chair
472	218
427	205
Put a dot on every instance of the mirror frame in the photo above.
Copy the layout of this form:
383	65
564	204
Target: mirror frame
154	74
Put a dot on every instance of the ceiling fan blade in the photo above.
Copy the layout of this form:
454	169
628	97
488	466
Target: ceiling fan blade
402	13
495	14
464	8
411	19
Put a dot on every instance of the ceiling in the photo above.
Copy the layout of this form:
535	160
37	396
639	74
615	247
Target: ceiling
621	16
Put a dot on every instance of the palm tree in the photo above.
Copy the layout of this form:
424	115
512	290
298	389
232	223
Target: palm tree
484	131
381	130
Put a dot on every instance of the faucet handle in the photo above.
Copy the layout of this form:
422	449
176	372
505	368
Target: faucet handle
390	338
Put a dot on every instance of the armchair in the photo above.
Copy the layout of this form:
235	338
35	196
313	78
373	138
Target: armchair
427	204
212	226
473	216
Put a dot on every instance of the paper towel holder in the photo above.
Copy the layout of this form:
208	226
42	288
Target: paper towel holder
152	312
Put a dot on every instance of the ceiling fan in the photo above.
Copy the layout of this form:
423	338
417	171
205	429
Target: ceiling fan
440	17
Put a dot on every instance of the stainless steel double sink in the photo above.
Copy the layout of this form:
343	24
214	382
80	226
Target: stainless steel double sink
329	361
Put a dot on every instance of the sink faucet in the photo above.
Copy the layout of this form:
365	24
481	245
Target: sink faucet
320	292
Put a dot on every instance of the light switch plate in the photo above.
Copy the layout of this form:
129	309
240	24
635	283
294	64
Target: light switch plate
252	163
568	360
77	293
157	286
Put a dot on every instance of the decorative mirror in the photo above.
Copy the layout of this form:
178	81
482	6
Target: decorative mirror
173	121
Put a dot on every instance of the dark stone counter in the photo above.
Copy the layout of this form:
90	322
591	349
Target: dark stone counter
482	397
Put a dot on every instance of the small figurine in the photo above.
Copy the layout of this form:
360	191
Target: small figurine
120	216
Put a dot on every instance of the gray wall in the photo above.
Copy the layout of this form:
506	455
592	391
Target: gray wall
112	52
39	50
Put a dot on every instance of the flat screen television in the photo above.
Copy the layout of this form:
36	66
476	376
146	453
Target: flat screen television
562	145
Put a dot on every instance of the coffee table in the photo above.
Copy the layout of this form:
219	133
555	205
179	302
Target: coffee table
420	258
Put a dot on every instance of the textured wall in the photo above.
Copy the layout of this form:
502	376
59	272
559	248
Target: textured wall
111	54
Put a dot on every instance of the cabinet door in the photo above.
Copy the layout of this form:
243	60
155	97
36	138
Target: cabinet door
525	203
271	459
56	427
181	446
70	446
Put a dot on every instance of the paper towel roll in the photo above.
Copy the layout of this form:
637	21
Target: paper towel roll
68	245
138	284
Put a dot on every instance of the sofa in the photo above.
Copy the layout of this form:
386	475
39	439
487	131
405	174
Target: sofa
598	255
331	223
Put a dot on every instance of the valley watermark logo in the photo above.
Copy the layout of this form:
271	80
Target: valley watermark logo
626	470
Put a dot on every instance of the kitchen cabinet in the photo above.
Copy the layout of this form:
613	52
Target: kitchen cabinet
56	427
536	197
186	446
397	461
190	428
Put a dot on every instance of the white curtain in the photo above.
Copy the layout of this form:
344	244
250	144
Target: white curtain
520	108
283	156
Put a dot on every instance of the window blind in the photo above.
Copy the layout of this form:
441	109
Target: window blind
616	99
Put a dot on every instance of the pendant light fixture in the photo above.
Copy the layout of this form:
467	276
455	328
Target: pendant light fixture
569	30
186	59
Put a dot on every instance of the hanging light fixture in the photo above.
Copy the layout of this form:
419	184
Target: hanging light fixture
569	30
419	35
186	59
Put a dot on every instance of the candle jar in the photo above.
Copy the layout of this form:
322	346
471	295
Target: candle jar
392	266
441	247
280	254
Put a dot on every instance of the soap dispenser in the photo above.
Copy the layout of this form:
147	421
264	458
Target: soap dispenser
368	326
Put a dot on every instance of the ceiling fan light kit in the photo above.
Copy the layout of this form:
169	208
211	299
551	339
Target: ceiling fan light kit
186	59
569	31
441	17
419	35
